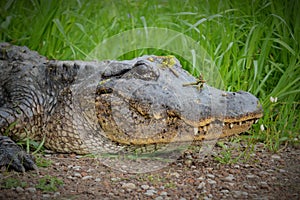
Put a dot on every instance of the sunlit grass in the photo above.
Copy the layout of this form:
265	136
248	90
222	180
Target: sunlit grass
254	44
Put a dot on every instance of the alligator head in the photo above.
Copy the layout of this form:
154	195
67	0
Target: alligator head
153	100
87	107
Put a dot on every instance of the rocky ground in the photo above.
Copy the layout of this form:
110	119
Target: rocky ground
257	175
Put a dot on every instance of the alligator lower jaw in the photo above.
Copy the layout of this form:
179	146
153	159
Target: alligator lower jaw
221	130
214	130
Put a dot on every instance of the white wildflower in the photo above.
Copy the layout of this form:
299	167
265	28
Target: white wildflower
273	99
262	128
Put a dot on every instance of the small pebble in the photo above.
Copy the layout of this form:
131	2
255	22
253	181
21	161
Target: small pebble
225	191
71	177
31	189
90	170
250	187
237	194
245	193
130	186
179	164
150	192
212	182
282	170
76	174
188	162
263	173
87	177
145	187
247	165
275	156
230	184
163	194
56	194
115	179
209	169
46	196
177	175
229	178
210	175
264	185
236	166
189	156
77	168
19	189
84	173
250	176
201	185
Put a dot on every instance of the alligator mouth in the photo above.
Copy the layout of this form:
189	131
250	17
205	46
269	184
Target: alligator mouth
172	126
213	131
217	130
181	131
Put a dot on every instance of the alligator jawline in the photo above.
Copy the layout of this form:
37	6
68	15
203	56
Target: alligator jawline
211	131
207	132
221	130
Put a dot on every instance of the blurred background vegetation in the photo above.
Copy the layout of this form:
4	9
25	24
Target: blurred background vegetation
254	44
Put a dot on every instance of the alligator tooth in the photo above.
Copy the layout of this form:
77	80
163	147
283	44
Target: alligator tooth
223	124
156	115
195	131
256	121
240	123
230	125
205	128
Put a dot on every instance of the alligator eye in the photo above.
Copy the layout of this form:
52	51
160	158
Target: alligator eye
143	70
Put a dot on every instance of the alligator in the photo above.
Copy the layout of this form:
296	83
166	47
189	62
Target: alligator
97	106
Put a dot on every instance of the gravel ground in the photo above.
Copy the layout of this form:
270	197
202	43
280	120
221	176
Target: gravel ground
264	175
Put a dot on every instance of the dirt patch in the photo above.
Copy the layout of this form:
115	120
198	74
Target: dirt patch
263	175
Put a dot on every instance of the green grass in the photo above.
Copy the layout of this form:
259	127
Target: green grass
235	153
46	184
49	183
9	183
254	44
